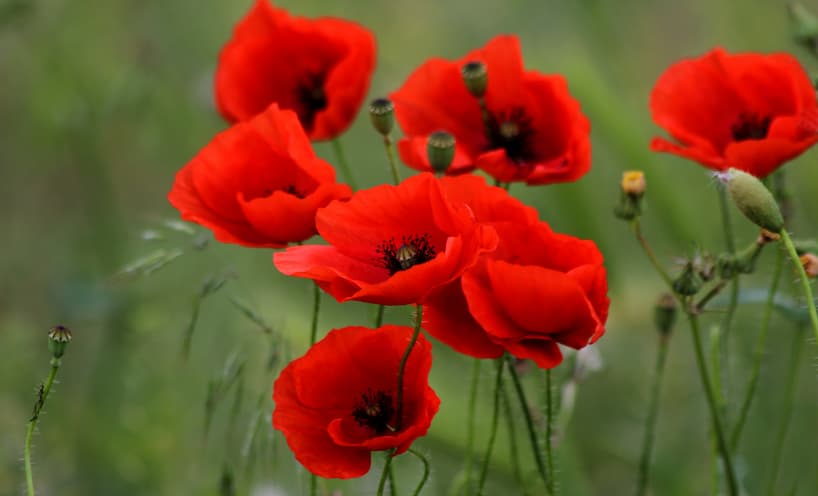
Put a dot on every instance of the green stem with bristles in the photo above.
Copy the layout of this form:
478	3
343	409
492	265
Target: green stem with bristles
650	420
32	423
425	471
498	387
470	425
393	162
805	284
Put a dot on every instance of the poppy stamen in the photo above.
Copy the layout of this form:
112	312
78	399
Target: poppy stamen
374	410
750	127
312	98
413	250
512	131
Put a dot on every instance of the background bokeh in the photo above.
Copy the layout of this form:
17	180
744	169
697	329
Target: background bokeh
101	102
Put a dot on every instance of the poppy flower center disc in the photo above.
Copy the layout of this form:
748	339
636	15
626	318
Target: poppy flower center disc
511	131
413	250
374	410
750	127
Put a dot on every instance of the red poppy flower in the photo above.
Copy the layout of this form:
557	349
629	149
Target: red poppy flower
338	402
747	111
390	245
320	68
258	183
534	132
537	290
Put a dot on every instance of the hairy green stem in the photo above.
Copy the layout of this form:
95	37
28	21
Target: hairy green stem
343	164
316	308
549	456
724	449
32	423
425	471
379	316
637	232
758	354
390	154
387	468
470	426
786	410
512	441
529	423
805	284
498	387
650	420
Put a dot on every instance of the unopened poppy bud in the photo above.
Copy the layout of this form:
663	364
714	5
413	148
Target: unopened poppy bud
805	24
58	338
810	263
475	76
664	313
633	183
382	115
754	200
440	150
689	282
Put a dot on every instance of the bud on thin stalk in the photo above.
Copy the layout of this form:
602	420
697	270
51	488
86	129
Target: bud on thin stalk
382	115
440	148
753	199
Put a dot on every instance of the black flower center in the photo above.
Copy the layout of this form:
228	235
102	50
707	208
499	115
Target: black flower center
289	189
413	250
511	131
311	98
374	410
750	127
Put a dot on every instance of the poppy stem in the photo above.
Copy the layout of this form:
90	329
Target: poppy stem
387	469
379	316
475	379
498	388
653	410
340	157
805	284
636	227
390	154
32	423
786	411
512	441
758	354
402	366
425	471
712	404
316	308
529	422
727	321
549	428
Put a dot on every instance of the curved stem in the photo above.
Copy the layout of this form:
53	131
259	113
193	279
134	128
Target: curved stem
402	366
342	163
32	423
805	285
529	422
786	411
313	485
727	321
387	468
512	441
425	471
390	154
721	440
549	456
498	387
650	420
475	379
637	232
316	307
758	354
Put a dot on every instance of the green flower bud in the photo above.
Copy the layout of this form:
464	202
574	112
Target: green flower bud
754	200
475	76
440	150
58	338
689	281
382	115
664	314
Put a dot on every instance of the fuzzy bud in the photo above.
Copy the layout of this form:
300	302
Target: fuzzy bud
475	76
58	339
440	150
754	200
689	282
382	115
633	183
632	189
664	314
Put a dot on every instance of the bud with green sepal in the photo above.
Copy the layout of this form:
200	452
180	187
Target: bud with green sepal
440	149
58	339
632	190
753	199
689	282
664	314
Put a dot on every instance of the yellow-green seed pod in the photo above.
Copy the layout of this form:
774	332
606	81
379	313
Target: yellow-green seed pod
475	76
440	149
382	115
58	338
754	200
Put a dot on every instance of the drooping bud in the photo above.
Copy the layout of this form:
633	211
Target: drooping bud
58	339
475	76
382	115
805	25
440	150
810	263
689	282
664	313
754	200
632	188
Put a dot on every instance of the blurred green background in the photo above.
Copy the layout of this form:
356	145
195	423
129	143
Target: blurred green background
103	101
